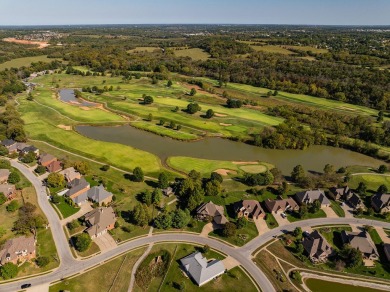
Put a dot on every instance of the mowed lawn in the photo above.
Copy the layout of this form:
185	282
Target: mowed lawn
371	180
48	98
26	61
42	124
317	102
233	280
111	276
205	166
194	53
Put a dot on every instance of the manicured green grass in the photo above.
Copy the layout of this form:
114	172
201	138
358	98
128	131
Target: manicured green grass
375	236
337	208
234	280
49	98
114	274
42	125
242	236
332	235
271	221
94	248
26	61
294	216
372	181
205	167
194	53
164	130
66	209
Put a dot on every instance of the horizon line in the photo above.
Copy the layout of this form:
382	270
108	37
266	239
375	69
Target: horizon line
209	24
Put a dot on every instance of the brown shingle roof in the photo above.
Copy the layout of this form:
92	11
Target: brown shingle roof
99	219
17	246
276	205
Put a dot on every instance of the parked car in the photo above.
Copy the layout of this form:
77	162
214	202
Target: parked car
283	215
25	286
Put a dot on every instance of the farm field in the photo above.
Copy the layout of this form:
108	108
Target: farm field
193	53
26	61
143	49
273	49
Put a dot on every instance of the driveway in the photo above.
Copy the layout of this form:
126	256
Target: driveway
84	209
281	221
329	212
207	229
261	225
347	210
383	235
230	263
105	242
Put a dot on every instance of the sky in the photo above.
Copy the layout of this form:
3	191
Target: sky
326	12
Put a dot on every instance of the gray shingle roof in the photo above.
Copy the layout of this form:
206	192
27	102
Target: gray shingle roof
213	210
200	270
99	219
311	196
361	241
76	186
251	206
98	194
380	201
7	142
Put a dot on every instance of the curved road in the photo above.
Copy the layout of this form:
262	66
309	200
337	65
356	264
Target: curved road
70	266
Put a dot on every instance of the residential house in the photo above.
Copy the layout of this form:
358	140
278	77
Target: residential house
168	191
10	145
4	174
249	209
99	195
45	159
70	174
78	190
386	249
8	190
99	221
18	249
54	166
25	149
347	195
206	210
308	197
200	270
361	241
316	247
381	203
280	205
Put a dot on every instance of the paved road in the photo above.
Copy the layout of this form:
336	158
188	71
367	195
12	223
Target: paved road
70	266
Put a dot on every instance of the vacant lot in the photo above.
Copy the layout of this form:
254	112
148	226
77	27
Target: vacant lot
114	275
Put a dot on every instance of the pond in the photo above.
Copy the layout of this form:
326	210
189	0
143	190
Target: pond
316	285
313	159
67	95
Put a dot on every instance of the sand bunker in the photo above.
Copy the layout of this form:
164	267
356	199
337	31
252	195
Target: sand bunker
225	125
67	128
219	115
41	45
85	108
245	162
223	171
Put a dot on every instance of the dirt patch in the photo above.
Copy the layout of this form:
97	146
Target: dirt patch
67	128
225	125
223	171
245	162
41	45
219	115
